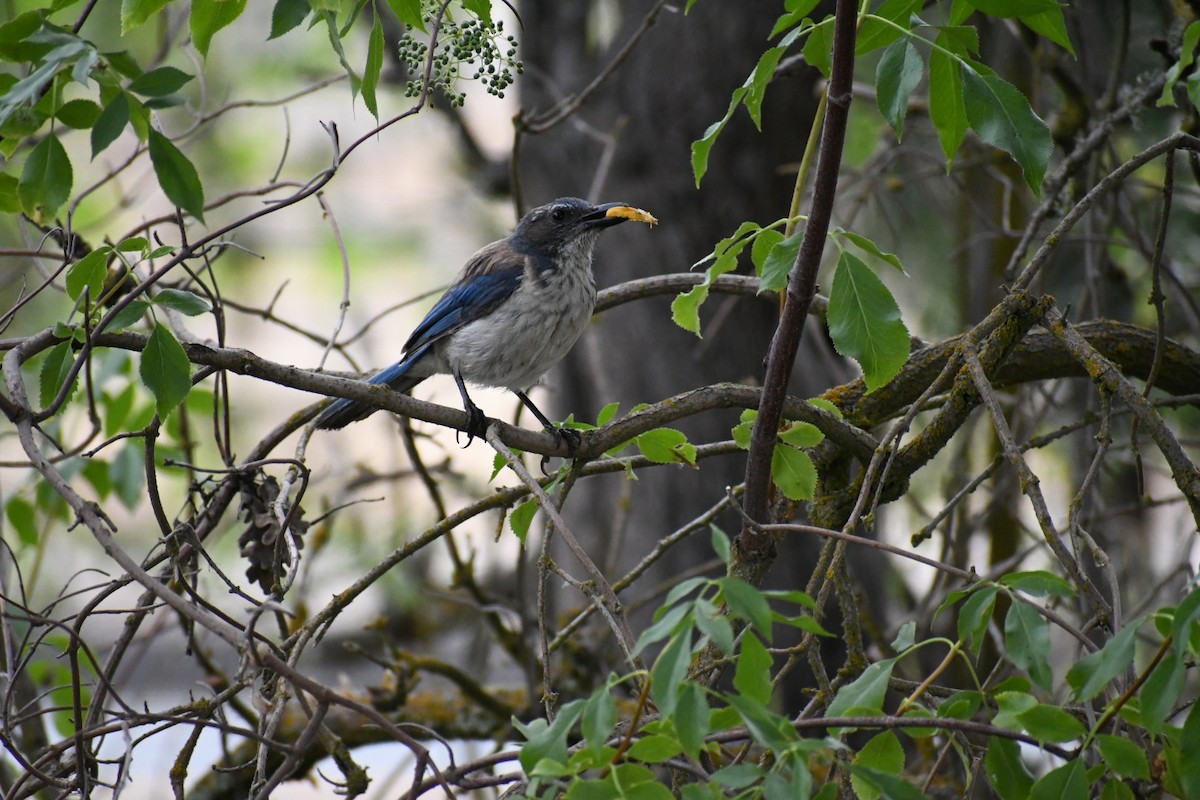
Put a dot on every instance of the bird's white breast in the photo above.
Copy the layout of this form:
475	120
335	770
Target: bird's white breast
529	332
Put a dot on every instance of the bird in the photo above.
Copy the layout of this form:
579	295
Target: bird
515	309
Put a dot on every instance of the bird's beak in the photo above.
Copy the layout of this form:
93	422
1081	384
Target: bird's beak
606	215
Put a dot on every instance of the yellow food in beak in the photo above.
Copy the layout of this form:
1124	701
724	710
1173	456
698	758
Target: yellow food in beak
635	214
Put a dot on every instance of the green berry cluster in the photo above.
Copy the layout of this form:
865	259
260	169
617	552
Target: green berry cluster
473	42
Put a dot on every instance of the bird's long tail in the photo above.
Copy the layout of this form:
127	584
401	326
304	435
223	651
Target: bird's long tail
345	411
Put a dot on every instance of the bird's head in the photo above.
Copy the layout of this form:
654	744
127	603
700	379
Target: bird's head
568	223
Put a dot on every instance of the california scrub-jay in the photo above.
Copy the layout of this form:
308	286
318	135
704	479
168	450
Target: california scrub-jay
516	308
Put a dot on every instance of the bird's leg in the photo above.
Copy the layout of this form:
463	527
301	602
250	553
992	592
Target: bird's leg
476	419
567	437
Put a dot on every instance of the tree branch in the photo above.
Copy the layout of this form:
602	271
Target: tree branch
802	282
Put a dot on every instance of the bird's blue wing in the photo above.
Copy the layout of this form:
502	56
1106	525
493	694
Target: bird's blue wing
464	302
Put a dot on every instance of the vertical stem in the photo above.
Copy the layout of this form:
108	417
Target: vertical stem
802	282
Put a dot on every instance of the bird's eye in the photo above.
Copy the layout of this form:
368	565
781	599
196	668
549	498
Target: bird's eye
558	214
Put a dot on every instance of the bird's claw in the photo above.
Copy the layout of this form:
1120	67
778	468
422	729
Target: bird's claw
476	425
568	438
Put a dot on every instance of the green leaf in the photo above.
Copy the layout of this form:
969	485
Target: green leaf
691	718
115	409
1189	753
408	12
1123	757
607	414
720	543
176	174
947	109
801	434
702	146
1116	790
159	82
182	301
742	432
794	596
10	203
373	68
134	244
883	752
779	262
1089	675
15	33
748	602
1011	704
521	518
1187	54
110	123
128	474
480	8
666	446
286	15
906	637
669	670
210	16
793	472
960	705
897	75
136	12
80	114
1050	24
1039	583
887	24
1068	782
36	85
1161	691
864	322
1013	8
715	625
335	42
738	776
885	783
128	315
768	729
869	247
655	748
599	718
46	179
681	590
766	239
752	675
818	49
756	84
545	740
975	613
1048	723
665	624
795	12
55	368
866	692
88	273
1186	614
1027	637
1003	118
165	369
685	308
1005	770
23	519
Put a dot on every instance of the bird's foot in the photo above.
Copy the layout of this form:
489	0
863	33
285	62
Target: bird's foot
567	437
477	423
